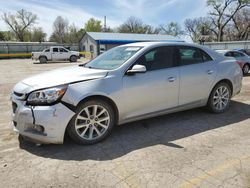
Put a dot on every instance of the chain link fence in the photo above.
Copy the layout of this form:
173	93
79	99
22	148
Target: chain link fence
24	49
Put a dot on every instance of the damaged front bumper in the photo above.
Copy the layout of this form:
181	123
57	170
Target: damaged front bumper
42	124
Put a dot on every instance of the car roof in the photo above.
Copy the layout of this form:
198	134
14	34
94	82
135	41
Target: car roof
211	52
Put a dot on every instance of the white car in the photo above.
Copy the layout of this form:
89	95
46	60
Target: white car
55	53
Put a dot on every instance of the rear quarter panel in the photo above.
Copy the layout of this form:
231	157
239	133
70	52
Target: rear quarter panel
230	70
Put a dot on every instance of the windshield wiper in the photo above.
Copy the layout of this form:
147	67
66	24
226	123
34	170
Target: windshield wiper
84	65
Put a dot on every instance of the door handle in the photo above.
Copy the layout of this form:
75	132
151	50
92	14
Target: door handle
171	79
210	72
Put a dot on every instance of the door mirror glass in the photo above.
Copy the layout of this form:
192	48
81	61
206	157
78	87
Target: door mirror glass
137	69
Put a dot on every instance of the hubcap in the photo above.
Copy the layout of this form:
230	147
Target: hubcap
221	98
246	69
92	122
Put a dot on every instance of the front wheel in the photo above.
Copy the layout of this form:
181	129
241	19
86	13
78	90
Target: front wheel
92	122
219	99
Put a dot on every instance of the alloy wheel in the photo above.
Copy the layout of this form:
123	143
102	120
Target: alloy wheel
92	122
221	98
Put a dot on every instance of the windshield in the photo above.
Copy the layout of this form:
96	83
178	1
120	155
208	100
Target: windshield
113	58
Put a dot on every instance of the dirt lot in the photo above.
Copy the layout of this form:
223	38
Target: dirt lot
187	149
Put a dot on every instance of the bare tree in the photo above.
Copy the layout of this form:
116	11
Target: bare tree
38	35
135	25
20	22
74	34
173	28
60	29
222	12
198	27
241	23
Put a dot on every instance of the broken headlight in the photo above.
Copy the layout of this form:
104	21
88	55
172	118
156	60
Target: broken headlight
47	96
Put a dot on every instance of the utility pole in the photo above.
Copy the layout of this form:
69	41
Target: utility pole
105	26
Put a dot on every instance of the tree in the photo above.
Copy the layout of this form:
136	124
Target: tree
60	29
222	12
241	24
173	28
93	25
74	34
135	25
198	27
2	36
37	35
20	23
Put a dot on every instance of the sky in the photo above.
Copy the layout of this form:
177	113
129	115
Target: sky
117	11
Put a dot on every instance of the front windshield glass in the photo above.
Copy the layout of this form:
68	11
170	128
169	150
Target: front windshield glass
113	58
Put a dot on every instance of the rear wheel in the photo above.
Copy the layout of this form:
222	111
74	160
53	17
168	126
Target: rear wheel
245	69
73	58
219	99
43	59
92	122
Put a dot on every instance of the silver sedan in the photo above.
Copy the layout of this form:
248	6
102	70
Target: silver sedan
125	84
242	59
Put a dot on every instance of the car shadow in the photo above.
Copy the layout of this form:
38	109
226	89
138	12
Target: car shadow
142	134
55	62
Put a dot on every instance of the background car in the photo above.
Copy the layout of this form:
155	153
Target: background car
242	59
246	51
55	53
124	84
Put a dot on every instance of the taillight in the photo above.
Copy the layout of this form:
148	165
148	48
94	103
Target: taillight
241	64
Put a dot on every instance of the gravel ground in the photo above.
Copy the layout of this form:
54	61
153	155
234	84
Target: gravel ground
186	149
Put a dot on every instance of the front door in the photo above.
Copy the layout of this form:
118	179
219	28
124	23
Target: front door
55	54
155	90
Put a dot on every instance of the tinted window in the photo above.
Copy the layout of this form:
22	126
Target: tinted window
205	56
63	50
158	58
189	55
237	54
55	49
47	50
229	54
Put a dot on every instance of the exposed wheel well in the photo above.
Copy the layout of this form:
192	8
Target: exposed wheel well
72	56
106	99
247	64
225	81
43	56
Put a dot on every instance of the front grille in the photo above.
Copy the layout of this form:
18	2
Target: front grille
14	107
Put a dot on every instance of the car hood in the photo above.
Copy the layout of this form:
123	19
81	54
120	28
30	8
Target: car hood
59	77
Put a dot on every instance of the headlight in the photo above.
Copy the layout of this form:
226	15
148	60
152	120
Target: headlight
46	96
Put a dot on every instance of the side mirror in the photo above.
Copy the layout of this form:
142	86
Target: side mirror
137	69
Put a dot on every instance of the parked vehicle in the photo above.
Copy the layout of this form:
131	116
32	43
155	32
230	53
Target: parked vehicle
242	58
55	53
125	84
246	51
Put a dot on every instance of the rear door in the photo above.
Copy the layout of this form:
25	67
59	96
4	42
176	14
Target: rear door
64	54
197	74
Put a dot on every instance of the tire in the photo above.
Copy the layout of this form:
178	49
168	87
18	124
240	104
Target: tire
219	99
245	69
93	122
43	59
73	58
